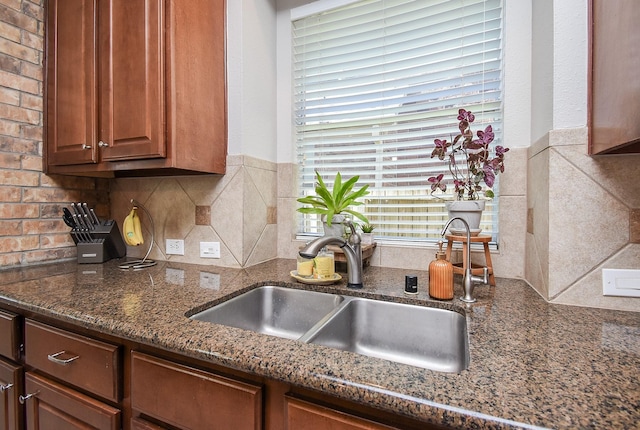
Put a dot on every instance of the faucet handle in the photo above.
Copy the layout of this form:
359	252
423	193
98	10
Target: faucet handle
485	275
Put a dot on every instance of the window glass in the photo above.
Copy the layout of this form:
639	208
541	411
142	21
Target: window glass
375	83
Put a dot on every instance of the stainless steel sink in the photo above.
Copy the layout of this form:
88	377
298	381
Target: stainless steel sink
278	311
421	336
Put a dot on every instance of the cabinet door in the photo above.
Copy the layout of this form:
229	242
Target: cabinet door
614	96
9	335
140	424
71	123
51	406
10	389
131	79
303	415
192	399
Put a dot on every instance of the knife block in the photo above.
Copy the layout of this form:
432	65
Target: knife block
107	244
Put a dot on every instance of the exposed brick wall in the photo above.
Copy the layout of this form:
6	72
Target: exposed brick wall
31	228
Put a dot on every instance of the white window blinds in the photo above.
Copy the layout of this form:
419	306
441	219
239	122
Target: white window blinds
375	82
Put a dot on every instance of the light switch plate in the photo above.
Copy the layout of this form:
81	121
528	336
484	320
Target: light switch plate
210	249
621	282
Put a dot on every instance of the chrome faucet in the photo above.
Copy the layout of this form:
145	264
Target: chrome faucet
468	278
352	250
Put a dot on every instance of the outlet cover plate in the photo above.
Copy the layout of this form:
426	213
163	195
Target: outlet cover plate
175	247
210	249
621	282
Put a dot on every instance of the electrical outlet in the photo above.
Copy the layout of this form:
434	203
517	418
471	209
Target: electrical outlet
210	249
175	246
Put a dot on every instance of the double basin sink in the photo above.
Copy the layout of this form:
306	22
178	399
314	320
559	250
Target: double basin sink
427	337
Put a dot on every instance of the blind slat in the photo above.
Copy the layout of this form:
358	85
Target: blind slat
374	83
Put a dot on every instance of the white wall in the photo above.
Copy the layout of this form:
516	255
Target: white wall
251	78
517	74
560	61
570	55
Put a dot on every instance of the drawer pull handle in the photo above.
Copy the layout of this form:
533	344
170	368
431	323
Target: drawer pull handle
85	146
22	399
102	144
4	388
64	362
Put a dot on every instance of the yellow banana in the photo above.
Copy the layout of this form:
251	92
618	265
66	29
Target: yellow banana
128	229
137	228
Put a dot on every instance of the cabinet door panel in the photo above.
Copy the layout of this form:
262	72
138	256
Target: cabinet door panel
140	424
54	406
10	407
71	86
131	84
9	335
190	398
302	415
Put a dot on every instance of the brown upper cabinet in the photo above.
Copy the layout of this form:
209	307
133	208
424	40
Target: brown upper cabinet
135	88
614	95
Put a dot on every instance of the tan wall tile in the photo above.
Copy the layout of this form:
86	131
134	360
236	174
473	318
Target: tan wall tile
634	226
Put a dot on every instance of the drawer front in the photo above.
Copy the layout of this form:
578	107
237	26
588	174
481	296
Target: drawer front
54	406
9	335
303	415
10	390
140	424
84	362
190	398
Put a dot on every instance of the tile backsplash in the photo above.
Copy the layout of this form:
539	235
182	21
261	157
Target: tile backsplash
583	217
237	209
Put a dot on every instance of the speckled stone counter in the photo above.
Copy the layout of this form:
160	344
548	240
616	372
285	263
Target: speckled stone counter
532	364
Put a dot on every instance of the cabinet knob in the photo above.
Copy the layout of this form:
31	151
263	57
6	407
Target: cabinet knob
22	399
4	388
102	144
86	146
54	358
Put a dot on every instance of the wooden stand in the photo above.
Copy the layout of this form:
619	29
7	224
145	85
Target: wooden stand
367	252
476	269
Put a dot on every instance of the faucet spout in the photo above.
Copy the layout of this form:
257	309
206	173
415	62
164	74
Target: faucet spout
352	251
468	278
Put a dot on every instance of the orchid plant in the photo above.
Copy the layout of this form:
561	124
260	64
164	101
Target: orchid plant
470	161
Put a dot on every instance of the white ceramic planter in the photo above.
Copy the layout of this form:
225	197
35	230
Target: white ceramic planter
367	238
336	228
469	210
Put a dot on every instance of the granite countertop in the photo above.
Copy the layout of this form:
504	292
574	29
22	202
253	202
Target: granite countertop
532	364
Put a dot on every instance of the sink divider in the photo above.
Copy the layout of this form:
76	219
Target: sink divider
305	338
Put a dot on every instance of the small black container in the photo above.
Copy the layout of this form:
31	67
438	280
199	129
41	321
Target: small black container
411	284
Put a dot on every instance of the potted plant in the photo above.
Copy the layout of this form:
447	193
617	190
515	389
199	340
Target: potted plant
337	201
367	233
473	169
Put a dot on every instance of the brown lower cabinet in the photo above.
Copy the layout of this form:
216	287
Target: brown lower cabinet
10	390
68	377
190	398
53	406
304	415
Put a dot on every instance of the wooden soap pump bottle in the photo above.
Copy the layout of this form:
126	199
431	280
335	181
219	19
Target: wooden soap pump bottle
441	276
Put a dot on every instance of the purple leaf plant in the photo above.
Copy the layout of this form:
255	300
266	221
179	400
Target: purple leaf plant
471	164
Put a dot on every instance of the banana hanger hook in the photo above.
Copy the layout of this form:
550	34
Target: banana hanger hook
145	262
